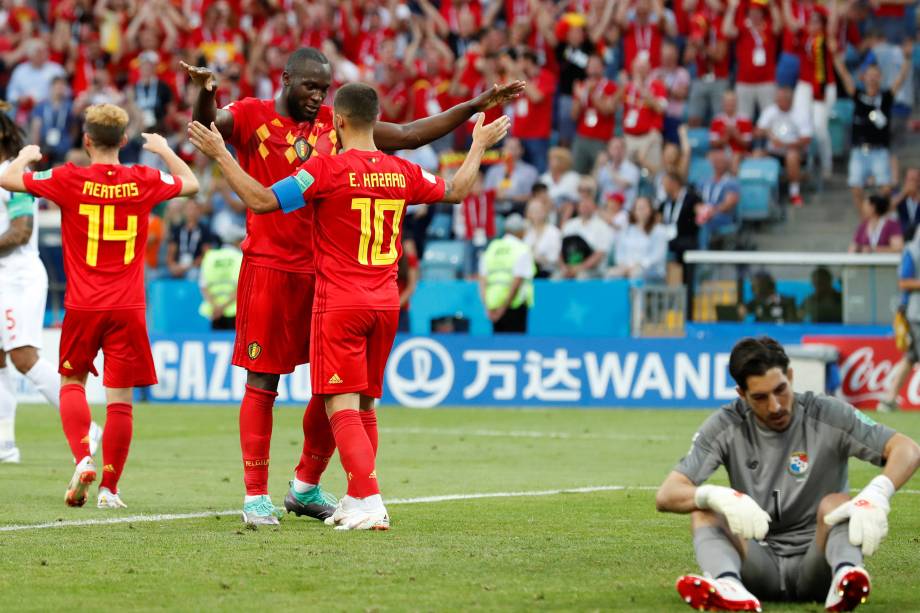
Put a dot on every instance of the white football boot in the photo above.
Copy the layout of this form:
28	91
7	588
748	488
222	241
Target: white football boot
360	514
849	589
108	500
726	594
10	456
83	477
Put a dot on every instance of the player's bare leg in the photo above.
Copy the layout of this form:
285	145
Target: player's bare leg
9	453
45	378
851	584
719	554
76	418
362	507
255	442
116	442
305	496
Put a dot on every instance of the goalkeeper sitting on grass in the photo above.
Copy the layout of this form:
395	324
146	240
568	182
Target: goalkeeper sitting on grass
787	528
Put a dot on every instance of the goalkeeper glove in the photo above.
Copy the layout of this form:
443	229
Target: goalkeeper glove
868	514
745	517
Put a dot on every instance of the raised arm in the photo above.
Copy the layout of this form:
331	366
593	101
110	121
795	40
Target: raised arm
11	180
729	27
254	195
845	77
484	136
205	109
908	48
392	137
155	143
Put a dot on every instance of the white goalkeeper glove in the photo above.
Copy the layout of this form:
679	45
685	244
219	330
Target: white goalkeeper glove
745	517
868	514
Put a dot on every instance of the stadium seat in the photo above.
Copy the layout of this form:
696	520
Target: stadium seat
699	141
839	124
700	171
443	259
441	226
759	178
764	169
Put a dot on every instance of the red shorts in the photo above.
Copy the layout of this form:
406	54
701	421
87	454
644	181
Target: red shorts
350	350
122	336
273	310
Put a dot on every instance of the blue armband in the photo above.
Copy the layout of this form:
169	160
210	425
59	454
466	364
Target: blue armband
290	192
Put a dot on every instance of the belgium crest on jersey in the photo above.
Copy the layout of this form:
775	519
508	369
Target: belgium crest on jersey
254	350
302	149
798	464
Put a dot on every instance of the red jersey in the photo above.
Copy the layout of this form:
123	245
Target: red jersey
534	119
591	122
645	38
269	148
756	52
479	214
801	13
105	209
706	29
638	118
815	64
359	199
741	140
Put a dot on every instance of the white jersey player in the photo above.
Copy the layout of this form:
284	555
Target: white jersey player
23	291
787	528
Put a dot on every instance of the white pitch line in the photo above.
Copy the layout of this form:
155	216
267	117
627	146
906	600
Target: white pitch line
527	434
133	519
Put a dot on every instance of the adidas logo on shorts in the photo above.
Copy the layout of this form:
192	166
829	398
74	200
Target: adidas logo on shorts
335	379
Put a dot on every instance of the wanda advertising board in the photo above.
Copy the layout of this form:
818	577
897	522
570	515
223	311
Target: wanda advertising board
866	367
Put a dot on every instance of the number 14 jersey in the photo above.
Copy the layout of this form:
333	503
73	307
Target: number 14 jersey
359	200
104	213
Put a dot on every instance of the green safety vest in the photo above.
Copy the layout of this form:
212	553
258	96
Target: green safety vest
499	259
220	269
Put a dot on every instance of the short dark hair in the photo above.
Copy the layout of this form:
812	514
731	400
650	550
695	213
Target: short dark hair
531	56
753	357
303	55
358	102
880	203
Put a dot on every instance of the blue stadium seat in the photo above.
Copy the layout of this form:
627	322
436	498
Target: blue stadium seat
759	178
764	169
699	141
441	226
443	259
700	171
839	124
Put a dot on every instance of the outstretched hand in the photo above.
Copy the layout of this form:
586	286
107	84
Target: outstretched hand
200	76
154	143
208	141
498	95
488	135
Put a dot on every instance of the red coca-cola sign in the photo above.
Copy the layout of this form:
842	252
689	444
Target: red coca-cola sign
866	369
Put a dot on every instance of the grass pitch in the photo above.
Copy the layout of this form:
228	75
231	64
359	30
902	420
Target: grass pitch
602	550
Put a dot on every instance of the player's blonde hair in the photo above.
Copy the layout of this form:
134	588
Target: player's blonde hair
105	124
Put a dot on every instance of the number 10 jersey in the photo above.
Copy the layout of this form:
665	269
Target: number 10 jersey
104	213
359	200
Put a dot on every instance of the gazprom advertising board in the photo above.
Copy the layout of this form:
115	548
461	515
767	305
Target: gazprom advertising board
481	371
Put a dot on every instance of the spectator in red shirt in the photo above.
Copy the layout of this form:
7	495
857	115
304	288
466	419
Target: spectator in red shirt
730	129
407	276
644	27
533	111
707	47
594	107
755	49
394	96
816	90
644	103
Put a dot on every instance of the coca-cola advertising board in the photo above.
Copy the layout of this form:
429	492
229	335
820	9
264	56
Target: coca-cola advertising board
866	367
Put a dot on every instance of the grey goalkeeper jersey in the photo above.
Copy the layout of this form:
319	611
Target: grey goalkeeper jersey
786	473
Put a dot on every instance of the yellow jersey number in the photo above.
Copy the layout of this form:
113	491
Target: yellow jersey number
93	212
372	224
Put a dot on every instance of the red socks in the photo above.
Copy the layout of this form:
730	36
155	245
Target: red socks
355	452
75	417
318	442
256	438
369	419
116	440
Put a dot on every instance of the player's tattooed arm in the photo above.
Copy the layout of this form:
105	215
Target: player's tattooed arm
392	137
254	195
19	233
205	109
11	180
484	136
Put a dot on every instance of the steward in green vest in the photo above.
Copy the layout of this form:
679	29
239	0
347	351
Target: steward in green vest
506	273
220	269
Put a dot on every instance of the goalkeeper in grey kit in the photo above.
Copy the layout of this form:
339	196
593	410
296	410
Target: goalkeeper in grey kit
787	528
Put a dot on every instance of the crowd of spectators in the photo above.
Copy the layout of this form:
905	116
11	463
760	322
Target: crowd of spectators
598	156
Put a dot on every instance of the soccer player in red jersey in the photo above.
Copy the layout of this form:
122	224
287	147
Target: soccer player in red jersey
271	139
104	213
358	198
